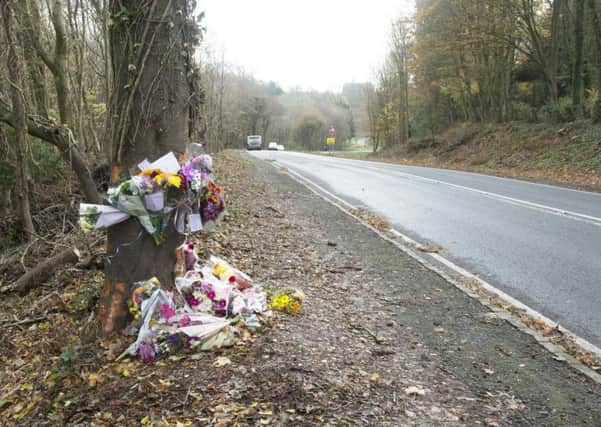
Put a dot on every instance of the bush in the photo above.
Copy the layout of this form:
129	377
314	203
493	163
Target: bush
563	111
522	111
596	111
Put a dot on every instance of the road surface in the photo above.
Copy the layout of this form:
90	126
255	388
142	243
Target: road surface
540	244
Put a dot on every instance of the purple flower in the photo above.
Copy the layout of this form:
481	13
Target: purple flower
188	172
220	312
147	351
211	295
221	303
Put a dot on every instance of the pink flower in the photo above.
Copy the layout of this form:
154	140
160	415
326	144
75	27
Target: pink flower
166	311
221	303
184	321
211	295
191	300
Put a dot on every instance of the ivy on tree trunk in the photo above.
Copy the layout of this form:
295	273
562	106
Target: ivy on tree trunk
149	114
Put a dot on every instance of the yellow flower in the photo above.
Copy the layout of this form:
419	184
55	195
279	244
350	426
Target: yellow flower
219	269
294	307
174	181
160	178
280	302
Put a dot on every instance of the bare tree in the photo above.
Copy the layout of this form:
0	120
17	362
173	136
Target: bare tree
15	65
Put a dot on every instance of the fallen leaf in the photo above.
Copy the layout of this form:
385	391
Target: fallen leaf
221	361
415	391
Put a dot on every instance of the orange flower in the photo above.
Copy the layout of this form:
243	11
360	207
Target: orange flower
217	190
215	200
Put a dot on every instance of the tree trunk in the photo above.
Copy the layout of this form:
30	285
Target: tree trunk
15	67
578	49
553	61
35	66
60	61
151	112
596	23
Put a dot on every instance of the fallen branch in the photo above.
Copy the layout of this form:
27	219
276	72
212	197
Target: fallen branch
40	274
25	322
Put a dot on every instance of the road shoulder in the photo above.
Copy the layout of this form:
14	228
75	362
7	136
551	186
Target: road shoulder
423	332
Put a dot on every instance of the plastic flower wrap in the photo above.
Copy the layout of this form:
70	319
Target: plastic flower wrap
216	300
163	192
288	300
141	291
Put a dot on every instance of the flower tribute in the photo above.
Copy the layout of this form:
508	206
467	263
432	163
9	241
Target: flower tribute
163	191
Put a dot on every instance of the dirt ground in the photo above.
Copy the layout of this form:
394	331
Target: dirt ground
380	341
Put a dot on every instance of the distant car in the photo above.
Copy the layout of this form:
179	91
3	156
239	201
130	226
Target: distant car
253	142
281	147
272	146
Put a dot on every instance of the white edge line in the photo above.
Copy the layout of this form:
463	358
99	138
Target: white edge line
503	314
519	202
463	172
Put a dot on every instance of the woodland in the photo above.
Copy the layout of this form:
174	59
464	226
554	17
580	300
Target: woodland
490	61
90	87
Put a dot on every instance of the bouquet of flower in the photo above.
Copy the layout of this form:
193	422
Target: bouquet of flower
211	202
161	189
288	300
140	292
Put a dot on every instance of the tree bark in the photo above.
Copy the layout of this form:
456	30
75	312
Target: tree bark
60	61
150	112
35	67
578	58
14	65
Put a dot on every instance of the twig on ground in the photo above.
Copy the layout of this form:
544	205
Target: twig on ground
25	322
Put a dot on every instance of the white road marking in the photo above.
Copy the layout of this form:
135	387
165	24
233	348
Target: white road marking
514	201
553	348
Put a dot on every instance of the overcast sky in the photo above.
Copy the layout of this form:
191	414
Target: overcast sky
312	44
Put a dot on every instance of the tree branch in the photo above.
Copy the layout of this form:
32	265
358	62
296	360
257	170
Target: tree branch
62	138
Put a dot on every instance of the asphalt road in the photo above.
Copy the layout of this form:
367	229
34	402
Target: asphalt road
540	244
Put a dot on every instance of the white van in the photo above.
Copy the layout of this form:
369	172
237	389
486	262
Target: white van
254	142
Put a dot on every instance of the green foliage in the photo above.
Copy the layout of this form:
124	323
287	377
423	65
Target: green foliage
65	364
86	297
422	121
562	111
7	173
521	111
45	162
310	133
596	111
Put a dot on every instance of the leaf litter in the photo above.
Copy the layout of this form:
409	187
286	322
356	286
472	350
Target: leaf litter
342	361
